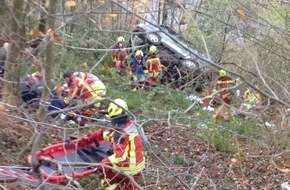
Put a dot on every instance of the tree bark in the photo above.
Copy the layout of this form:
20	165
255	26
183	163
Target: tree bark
47	67
12	66
42	21
165	12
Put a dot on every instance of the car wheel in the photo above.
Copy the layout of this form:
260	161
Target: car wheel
153	38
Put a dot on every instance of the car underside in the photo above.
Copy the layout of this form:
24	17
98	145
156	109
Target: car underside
181	72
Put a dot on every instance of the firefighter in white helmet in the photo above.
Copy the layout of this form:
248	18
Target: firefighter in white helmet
119	53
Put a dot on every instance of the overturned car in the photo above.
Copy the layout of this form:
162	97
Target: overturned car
185	65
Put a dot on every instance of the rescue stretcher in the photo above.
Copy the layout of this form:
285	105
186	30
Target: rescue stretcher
61	162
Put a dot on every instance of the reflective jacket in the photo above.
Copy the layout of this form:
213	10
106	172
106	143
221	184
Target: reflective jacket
153	65
127	146
252	99
222	84
86	86
119	52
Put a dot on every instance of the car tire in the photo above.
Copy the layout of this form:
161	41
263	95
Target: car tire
153	38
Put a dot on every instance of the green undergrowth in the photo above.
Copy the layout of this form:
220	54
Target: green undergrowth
164	105
170	106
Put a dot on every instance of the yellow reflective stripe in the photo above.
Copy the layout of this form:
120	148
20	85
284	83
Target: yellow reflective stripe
132	169
90	89
150	65
225	95
81	81
115	160
150	62
97	89
86	85
132	152
83	76
110	187
225	82
106	136
154	74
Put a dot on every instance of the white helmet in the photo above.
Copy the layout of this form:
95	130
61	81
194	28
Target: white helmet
139	53
114	110
152	49
120	39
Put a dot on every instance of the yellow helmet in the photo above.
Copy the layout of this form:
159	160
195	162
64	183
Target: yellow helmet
222	73
288	110
152	49
139	53
114	109
120	39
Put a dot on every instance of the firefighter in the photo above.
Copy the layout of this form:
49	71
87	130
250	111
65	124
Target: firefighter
154	66
221	87
136	70
119	54
87	88
252	100
83	85
127	157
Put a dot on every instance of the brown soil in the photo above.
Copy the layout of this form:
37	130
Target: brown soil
180	160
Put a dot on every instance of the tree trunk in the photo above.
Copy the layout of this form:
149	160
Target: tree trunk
49	63
159	12
12	66
4	14
42	21
112	11
165	12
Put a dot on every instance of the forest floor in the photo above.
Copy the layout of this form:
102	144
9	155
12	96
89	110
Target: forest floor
180	160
